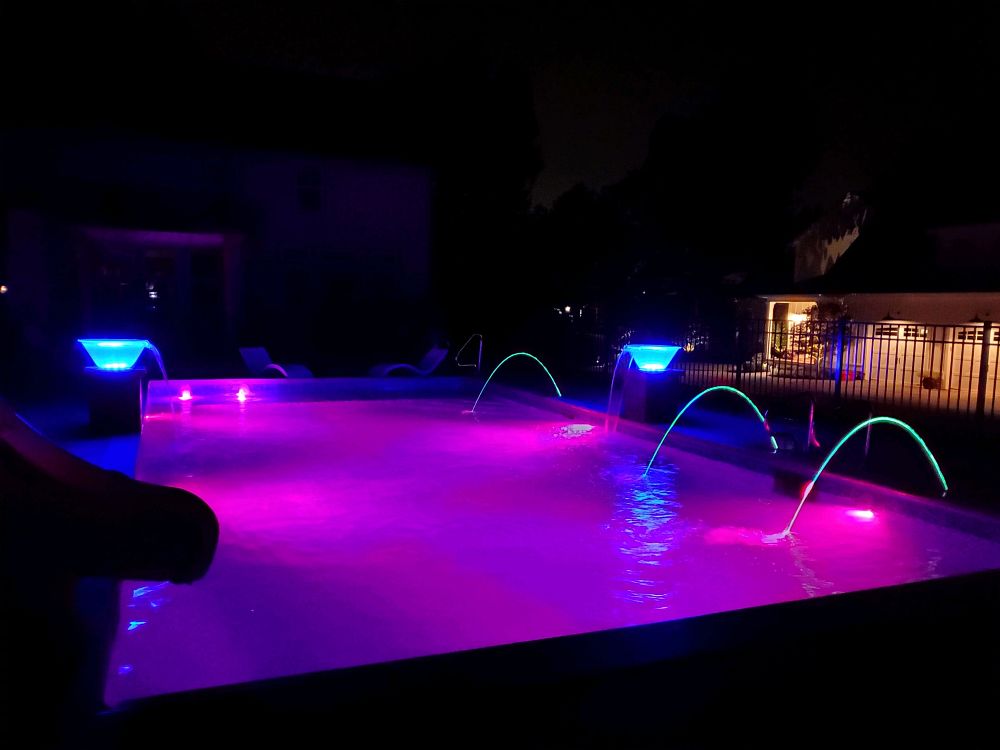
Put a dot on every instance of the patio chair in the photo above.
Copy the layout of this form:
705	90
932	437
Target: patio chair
260	365
428	364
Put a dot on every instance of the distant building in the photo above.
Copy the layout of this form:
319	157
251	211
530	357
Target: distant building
199	245
923	309
948	274
326	219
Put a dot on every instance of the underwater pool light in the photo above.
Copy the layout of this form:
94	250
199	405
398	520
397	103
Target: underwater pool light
856	429
862	515
115	354
652	357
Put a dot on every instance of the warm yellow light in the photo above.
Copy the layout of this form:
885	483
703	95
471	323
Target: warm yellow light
3	288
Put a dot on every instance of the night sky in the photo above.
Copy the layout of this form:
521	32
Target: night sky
700	140
868	87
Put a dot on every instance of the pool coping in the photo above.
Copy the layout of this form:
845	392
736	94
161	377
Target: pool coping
915	623
163	394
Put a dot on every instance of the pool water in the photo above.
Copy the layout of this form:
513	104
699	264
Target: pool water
355	532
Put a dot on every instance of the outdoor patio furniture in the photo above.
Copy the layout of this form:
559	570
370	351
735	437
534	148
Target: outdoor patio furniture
260	365
428	364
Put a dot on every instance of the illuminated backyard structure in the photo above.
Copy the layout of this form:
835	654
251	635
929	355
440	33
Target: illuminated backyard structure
116	383
650	357
648	382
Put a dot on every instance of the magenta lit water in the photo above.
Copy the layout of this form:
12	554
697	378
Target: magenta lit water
364	531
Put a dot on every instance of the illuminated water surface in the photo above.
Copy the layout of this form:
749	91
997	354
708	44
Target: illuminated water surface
363	531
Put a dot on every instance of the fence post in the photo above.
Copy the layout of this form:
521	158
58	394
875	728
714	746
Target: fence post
984	371
739	357
839	373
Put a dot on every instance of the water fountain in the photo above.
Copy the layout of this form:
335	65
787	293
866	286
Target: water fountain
647	358
857	428
741	394
502	362
116	387
119	355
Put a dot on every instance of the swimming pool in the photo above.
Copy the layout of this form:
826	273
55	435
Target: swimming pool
366	522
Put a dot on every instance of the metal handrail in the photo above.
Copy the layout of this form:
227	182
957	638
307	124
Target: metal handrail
479	356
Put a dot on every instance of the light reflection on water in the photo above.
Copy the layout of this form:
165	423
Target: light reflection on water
812	584
644	526
571	431
363	532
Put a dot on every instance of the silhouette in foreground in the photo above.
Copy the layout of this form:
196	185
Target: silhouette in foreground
70	533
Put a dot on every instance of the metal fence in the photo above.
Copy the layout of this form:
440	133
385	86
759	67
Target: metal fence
909	365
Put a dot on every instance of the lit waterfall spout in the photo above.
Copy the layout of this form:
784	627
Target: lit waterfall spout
857	428
509	357
611	390
120	354
159	359
647	358
730	389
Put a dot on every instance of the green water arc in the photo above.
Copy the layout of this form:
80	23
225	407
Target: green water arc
738	392
504	360
857	428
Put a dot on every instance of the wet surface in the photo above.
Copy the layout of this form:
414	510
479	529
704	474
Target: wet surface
356	532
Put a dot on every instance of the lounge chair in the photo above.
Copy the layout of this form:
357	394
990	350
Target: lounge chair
259	363
430	362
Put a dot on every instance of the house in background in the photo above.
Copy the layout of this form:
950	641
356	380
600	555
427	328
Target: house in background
945	275
198	246
336	220
909	315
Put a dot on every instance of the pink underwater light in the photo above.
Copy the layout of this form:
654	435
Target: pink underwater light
862	515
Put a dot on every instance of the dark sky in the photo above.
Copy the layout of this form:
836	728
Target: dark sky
868	83
600	77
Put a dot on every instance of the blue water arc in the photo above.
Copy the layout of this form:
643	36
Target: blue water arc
727	388
857	428
506	359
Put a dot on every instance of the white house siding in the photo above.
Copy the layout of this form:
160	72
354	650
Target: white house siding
930	307
912	348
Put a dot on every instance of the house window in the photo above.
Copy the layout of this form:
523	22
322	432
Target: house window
914	332
887	331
